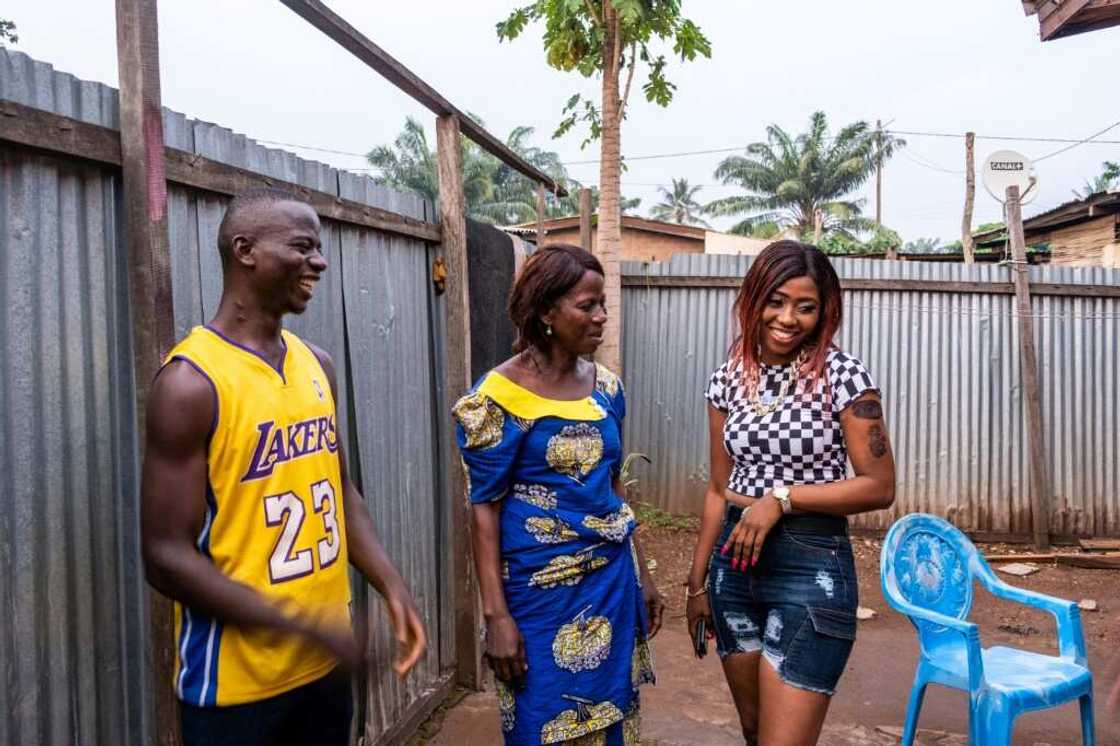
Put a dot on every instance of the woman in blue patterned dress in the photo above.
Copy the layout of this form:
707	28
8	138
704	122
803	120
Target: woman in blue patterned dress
786	411
568	602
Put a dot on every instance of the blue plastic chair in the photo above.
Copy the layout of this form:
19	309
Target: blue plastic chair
927	568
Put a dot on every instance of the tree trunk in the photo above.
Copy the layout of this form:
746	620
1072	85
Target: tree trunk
879	173
969	196
609	235
818	225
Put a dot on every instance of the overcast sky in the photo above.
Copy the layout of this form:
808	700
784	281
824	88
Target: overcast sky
953	66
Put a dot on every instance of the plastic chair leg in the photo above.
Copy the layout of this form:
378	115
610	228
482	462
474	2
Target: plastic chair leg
990	722
913	708
1086	702
993	734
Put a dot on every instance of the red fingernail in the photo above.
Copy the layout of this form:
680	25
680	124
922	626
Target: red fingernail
723	551
754	560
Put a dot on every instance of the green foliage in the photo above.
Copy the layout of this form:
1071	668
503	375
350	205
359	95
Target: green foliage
7	32
650	516
494	192
789	181
574	37
626	473
1108	180
679	205
922	246
882	239
839	242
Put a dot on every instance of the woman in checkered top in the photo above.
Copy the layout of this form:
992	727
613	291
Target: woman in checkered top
773	576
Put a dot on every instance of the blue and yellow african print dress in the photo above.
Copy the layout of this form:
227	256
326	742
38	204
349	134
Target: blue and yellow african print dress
569	566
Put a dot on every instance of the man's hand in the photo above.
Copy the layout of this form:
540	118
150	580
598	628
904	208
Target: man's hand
412	640
345	642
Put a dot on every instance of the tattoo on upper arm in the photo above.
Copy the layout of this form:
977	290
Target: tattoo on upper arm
868	409
877	441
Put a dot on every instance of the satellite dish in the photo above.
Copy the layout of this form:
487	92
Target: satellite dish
1005	168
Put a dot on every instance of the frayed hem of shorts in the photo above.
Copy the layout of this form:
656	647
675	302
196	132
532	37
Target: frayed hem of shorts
725	654
776	664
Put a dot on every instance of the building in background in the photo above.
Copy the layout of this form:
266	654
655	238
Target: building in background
645	240
1080	233
1057	19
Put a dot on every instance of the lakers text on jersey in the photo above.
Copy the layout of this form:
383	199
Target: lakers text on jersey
274	519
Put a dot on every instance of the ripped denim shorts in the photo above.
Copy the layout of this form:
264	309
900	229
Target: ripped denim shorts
797	605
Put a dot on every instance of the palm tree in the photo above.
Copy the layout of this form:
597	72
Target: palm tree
922	246
410	164
679	205
494	192
885	146
801	182
1108	179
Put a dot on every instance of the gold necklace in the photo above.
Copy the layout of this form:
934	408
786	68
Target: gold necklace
755	404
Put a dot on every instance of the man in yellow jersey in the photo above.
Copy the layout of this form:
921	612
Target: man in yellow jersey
249	518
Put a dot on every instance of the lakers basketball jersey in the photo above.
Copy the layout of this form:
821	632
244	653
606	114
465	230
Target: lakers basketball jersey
274	519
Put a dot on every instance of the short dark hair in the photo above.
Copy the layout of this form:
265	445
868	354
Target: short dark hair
546	277
244	203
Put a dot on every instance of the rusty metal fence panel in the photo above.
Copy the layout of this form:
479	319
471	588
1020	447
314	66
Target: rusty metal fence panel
73	651
948	365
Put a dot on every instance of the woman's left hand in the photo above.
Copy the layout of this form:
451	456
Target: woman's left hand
746	539
655	605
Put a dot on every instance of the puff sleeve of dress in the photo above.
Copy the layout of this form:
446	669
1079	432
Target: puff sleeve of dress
489	440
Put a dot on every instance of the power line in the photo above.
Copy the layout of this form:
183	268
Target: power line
311	147
741	148
927	163
910	133
1112	126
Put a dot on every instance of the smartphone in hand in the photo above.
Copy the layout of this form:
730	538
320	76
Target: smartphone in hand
700	639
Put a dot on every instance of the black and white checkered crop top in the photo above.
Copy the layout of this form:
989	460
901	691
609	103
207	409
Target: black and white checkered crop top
801	442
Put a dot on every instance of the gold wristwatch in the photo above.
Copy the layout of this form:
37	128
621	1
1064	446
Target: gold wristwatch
781	494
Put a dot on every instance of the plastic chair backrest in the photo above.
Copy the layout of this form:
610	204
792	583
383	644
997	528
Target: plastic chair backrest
928	562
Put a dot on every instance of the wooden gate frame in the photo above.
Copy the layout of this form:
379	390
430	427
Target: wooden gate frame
144	165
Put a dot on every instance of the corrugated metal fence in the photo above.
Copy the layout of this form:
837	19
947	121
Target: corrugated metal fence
948	365
74	639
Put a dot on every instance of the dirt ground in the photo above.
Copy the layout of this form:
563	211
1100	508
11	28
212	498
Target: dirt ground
691	705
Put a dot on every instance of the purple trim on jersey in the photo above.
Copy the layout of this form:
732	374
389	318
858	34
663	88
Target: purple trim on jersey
283	356
213	389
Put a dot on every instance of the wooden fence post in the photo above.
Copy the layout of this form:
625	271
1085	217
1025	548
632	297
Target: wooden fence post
969	197
149	279
1028	362
456	380
585	219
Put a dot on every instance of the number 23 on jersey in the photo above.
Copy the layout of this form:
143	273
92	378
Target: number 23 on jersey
288	511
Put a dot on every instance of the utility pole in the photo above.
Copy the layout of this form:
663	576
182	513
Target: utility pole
969	196
1028	362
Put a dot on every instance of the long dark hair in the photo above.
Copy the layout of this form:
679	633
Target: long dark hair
778	263
546	277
